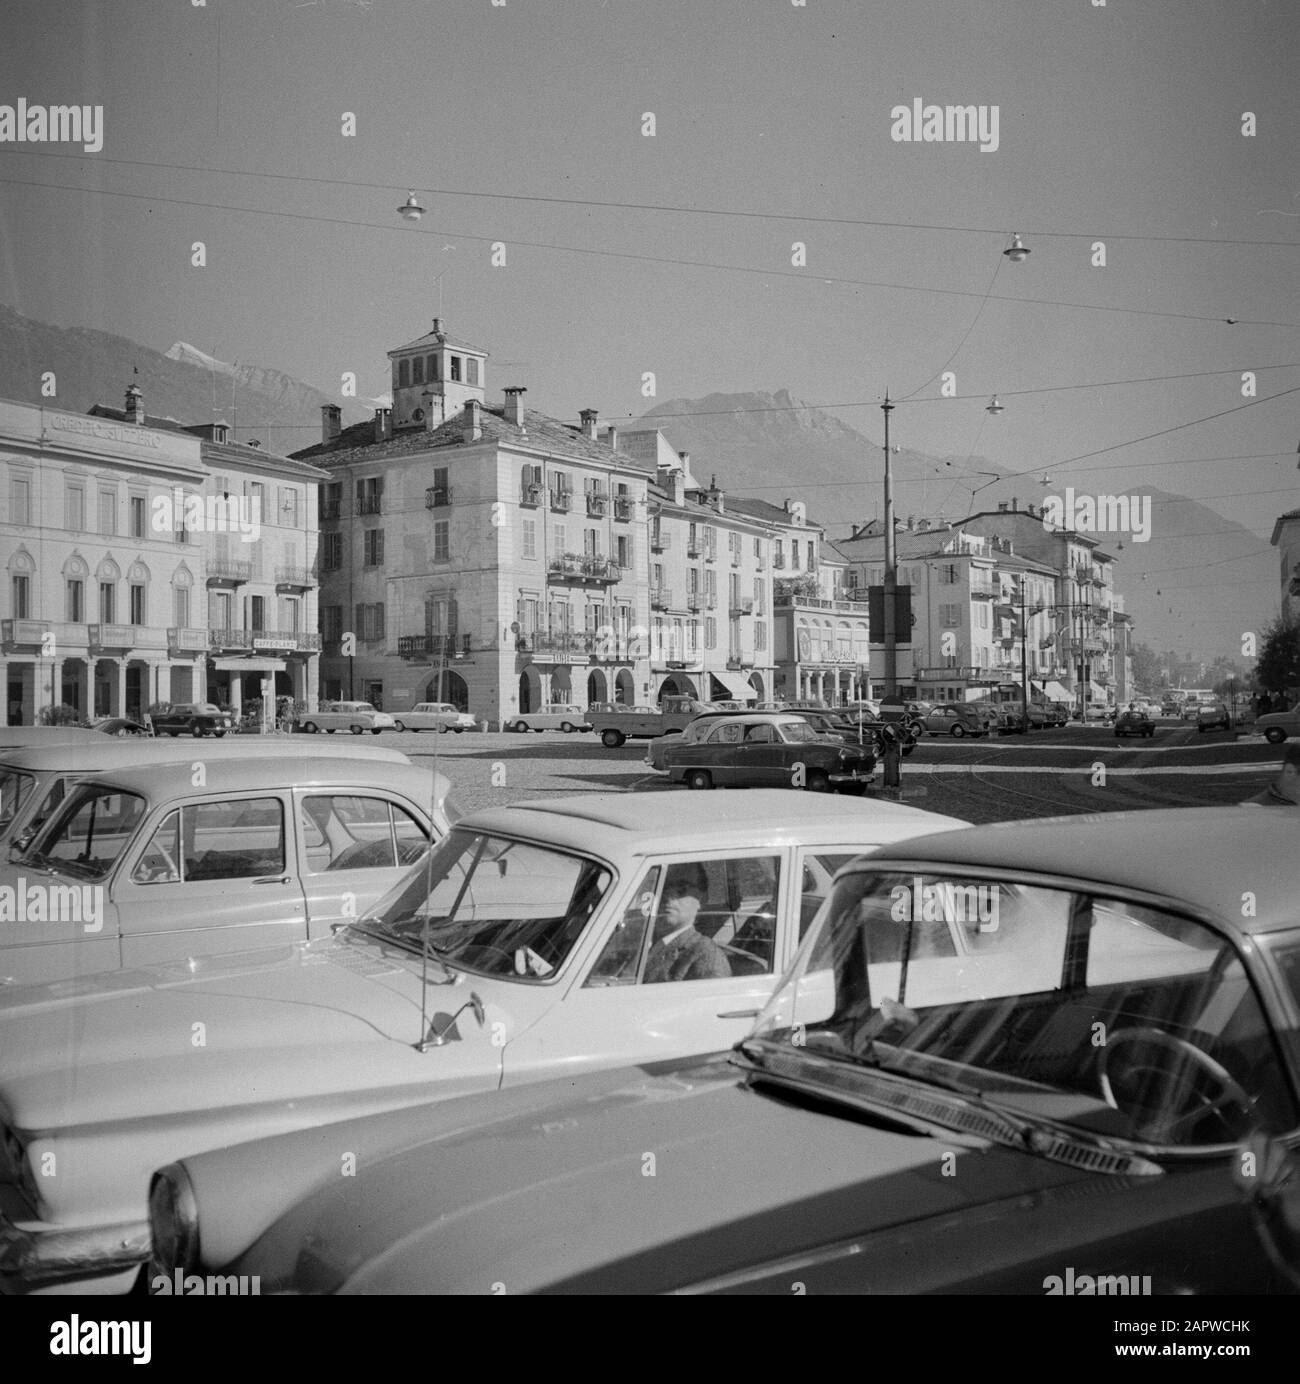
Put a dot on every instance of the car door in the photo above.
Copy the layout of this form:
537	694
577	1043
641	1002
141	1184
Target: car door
354	845
722	753
610	1015
214	874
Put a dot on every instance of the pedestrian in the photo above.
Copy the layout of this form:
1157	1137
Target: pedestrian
1284	791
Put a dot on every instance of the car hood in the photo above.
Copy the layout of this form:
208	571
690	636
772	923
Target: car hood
622	1182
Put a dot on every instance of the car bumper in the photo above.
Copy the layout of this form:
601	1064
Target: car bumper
855	776
34	1257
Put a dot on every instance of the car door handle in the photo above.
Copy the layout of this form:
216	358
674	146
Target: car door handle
738	1014
277	880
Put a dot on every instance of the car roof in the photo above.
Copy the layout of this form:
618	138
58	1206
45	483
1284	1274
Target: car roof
613	823
173	780
1208	857
111	752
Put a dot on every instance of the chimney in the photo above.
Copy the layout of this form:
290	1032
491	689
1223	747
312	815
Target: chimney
679	487
611	436
715	495
911	523
473	430
383	424
588	417
1003	507
515	404
331	421
1015	503
437	326
134	404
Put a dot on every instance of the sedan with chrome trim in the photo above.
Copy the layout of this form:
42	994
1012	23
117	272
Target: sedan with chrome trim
771	750
1002	1062
546	939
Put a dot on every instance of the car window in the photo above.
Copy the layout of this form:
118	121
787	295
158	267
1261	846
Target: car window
86	837
14	790
236	838
696	920
343	831
762	735
796	732
727	733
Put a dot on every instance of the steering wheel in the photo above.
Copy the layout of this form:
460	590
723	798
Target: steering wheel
1171	1122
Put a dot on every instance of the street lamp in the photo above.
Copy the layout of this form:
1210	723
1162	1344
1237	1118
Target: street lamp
411	208
994	406
1017	252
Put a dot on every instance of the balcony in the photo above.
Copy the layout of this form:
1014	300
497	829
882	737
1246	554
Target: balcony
735	558
531	494
298	578
741	605
370	504
694	600
43	637
740	658
575	647
661	598
778	561
121	639
183	640
562	500
429	648
230	641
587	569
329	509
694	548
228	571
436	496
660	539
760	562
597	504
622	510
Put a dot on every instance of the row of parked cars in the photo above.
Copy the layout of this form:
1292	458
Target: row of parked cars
624	1042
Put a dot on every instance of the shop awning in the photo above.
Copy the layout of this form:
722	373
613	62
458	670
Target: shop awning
1055	692
731	687
249	665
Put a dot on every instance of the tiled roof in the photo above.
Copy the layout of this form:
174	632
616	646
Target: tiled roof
120	415
439	339
539	433
237	453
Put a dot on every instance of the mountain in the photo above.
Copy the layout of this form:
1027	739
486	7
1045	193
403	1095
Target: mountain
1196	585
183	383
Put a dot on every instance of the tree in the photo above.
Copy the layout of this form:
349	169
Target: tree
1147	671
1278	666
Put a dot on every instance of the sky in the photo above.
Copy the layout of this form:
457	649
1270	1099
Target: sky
525	126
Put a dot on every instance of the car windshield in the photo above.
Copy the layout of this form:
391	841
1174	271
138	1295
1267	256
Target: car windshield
88	833
493	905
1112	1019
796	731
14	789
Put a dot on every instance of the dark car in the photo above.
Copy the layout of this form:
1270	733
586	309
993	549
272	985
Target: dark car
1134	723
769	750
120	725
1001	1062
1212	716
191	718
958	719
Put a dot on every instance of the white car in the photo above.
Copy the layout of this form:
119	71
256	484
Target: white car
439	716
353	716
565	716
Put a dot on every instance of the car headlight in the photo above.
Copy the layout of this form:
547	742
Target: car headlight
173	1220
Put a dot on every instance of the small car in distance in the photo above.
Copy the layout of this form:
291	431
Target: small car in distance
769	750
956	719
439	716
1134	722
191	718
565	716
352	716
1212	716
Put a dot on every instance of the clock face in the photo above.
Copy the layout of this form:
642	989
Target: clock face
418	415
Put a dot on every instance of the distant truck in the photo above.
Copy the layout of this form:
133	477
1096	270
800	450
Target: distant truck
644	722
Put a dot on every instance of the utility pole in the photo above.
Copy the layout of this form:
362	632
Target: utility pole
891	567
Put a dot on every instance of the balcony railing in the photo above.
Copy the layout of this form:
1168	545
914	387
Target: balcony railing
562	500
370	504
584	567
285	641
294	576
660	597
531	494
695	600
575	646
228	569
778	561
740	658
597	504
660	539
329	509
35	633
623	510
741	605
121	638
436	496
694	547
182	639
430	647
735	558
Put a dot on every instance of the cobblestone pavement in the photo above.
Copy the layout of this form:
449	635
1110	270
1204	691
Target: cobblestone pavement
1073	770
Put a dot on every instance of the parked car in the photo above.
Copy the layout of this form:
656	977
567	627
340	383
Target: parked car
1099	711
768	749
519	948
352	716
1134	723
191	718
1002	1062
956	719
1212	716
1276	726
160	863
439	716
120	725
566	716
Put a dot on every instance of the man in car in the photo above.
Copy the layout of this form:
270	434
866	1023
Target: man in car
679	951
1284	791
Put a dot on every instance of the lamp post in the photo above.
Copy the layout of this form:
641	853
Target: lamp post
891	566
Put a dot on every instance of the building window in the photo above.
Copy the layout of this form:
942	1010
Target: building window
760	635
812	555
530	538
949	615
331	618
417	370
257	506
76	601
710	632
373	547
257	612
370	622
21	595
288	616
331	500
403	373
107	602
624	551
74	509
559	538
108	512
471	370
138	616
370	495
948	574
591	542
136	505
289	507
181	605
794	554
442	540
20	501
455	368
331	553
